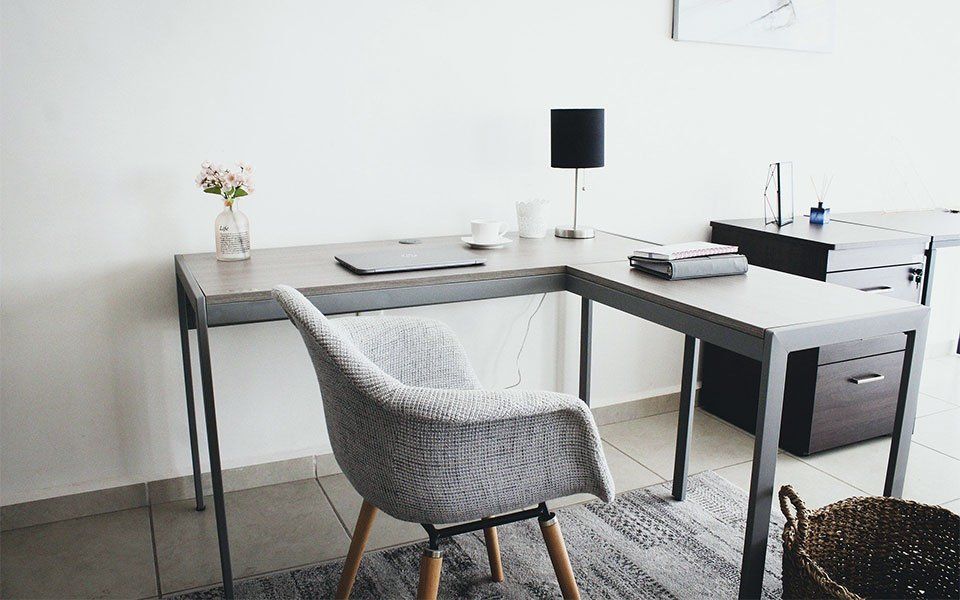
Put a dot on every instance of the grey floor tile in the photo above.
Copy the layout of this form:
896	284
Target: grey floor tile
73	506
101	556
570	501
627	473
941	378
929	405
651	441
272	527
815	487
931	477
386	531
940	431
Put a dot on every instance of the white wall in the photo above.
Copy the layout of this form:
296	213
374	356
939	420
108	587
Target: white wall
367	120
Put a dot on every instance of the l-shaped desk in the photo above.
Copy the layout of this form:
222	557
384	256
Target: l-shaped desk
940	225
764	315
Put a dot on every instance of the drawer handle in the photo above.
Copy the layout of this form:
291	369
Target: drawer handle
867	378
880	289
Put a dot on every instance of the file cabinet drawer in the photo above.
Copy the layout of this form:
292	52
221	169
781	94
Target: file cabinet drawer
861	348
896	282
855	400
876	256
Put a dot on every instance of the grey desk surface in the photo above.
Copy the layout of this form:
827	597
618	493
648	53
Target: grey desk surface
834	235
760	300
939	225
752	303
313	268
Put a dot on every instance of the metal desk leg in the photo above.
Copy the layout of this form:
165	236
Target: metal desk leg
927	285
688	393
772	377
906	411
586	342
184	305
213	445
929	271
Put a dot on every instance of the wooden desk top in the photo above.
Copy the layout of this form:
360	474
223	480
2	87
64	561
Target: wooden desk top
835	235
937	224
752	303
313	268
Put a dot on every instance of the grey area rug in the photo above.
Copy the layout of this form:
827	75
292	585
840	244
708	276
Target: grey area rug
643	545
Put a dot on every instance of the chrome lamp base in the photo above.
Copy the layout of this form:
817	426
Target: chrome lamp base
574	233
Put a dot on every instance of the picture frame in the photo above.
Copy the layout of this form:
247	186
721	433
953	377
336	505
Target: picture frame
778	195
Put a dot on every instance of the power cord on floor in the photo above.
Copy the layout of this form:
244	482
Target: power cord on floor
523	342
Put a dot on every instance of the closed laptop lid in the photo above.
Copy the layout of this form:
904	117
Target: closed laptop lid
408	258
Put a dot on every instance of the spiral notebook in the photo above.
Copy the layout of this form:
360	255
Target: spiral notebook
684	250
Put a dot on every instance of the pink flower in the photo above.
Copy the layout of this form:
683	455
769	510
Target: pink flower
231	179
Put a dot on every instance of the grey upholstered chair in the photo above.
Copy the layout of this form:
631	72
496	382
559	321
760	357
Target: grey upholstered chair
419	439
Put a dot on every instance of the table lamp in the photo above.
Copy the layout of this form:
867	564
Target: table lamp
576	142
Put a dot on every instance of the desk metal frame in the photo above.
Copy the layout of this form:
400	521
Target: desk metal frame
771	350
931	253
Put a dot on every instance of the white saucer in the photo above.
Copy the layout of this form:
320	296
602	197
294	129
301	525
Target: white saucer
503	241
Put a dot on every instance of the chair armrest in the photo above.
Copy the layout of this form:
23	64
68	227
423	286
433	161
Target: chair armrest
417	352
464	406
465	454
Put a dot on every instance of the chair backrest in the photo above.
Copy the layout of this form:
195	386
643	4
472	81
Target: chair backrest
353	390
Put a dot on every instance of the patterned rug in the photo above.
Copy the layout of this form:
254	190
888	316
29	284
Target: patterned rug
644	545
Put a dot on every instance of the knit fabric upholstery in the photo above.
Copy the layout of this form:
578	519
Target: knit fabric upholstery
419	439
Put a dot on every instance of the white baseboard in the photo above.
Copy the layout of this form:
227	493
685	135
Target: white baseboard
173	489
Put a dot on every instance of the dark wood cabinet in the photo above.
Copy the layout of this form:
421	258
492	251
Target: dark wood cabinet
835	395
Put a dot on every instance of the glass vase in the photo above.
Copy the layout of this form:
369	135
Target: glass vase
232	232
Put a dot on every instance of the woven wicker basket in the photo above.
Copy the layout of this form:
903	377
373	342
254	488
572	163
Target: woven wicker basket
870	547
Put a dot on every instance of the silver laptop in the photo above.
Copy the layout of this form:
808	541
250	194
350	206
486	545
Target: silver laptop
408	258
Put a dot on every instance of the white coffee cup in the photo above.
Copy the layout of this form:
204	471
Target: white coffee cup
487	231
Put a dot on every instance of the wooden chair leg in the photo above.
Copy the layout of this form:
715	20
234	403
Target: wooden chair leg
558	556
430	565
493	553
361	532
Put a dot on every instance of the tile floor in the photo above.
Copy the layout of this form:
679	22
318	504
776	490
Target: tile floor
147	552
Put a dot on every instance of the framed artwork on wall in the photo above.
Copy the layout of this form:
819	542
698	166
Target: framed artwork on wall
806	25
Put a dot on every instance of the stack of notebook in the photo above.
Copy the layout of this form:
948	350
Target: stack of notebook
689	261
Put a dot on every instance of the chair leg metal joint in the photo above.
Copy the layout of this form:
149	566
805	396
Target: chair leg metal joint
548	520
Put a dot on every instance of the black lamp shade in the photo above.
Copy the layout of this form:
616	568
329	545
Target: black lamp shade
576	138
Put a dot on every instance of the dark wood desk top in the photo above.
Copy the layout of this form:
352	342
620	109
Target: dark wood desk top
752	303
834	235
941	226
313	268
